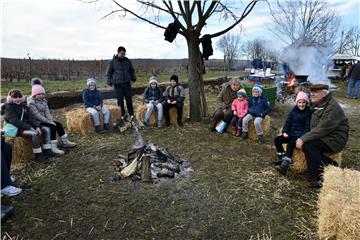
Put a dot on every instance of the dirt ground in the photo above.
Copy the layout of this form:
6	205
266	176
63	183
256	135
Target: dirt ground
232	193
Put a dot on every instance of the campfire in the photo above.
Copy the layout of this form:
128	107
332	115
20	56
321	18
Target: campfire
149	163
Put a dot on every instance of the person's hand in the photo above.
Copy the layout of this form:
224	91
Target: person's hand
285	135
299	143
98	108
151	101
169	101
234	113
53	123
156	102
32	129
38	130
173	102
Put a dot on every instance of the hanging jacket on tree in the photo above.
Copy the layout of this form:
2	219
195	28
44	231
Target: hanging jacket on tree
206	45
172	30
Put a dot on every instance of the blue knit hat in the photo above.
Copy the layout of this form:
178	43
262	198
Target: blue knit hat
259	88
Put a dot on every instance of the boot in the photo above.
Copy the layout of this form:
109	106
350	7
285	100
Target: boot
180	124
47	150
55	149
159	123
65	142
261	139
212	126
235	129
238	132
40	158
279	160
146	122
106	127
167	123
244	136
284	166
98	129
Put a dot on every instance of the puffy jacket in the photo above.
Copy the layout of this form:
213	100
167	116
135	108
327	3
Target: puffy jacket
329	124
120	71
176	92
40	110
297	122
259	106
13	114
355	72
240	106
92	98
152	94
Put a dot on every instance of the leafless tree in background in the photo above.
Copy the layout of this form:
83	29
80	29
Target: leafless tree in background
193	16
305	23
350	41
230	46
260	49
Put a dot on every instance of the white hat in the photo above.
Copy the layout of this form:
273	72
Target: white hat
153	80
90	80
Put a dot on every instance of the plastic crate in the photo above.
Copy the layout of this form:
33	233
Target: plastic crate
269	92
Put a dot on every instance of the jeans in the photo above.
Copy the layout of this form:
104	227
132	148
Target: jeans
150	108
353	83
96	117
124	91
257	124
55	129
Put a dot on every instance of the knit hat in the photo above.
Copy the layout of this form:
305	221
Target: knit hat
37	89
234	80
258	87
175	78
153	80
90	80
36	81
302	96
241	92
316	87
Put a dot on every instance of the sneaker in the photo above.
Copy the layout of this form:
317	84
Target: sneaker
10	191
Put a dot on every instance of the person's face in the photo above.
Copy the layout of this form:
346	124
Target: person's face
121	54
172	82
40	96
301	104
317	96
240	97
153	85
235	86
92	86
18	100
255	92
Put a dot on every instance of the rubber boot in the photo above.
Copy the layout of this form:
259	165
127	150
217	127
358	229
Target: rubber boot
55	149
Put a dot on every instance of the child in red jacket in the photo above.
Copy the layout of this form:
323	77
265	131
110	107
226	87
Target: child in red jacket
240	108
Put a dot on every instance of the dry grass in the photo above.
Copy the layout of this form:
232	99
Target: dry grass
22	150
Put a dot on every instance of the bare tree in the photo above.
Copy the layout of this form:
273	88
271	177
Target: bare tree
350	41
229	44
192	17
254	49
305	23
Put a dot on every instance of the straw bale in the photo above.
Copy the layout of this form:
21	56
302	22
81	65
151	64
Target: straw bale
265	126
339	204
21	149
141	111
80	121
299	161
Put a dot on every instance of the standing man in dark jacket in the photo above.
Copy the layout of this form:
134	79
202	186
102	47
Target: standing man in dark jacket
354	81
121	75
329	133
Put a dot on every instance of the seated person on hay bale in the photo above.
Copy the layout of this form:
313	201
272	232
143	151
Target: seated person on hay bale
240	109
225	98
93	103
174	97
18	114
38	106
296	125
329	133
259	107
153	98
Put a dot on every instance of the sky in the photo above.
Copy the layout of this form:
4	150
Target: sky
76	29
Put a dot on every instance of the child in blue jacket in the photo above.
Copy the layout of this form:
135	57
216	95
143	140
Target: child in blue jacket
153	98
93	104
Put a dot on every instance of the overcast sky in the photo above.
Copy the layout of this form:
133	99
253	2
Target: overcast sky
72	29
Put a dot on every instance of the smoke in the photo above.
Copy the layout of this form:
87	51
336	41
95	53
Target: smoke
311	61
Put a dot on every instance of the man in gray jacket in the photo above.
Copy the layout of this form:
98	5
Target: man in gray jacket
329	133
121	74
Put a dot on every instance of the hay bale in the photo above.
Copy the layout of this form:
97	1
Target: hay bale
21	149
299	161
141	111
339	204
80	121
265	126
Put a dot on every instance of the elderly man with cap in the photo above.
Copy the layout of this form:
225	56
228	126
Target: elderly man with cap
224	100
329	133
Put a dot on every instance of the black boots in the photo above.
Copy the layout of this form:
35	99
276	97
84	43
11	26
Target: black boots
284	166
40	158
261	139
106	127
244	136
98	129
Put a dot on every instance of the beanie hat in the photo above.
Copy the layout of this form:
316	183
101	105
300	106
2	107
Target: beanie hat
37	89
90	80
234	80
302	96
258	87
175	78
36	81
241	92
153	80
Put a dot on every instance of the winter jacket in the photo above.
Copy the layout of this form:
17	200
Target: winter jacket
297	122
226	96
329	124
259	106
92	98
355	72
120	72
152	94
176	93
40	110
240	106
13	114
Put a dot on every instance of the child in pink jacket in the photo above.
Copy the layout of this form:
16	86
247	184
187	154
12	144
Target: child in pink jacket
240	108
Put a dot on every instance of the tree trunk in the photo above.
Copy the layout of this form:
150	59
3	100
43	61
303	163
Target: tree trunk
194	77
